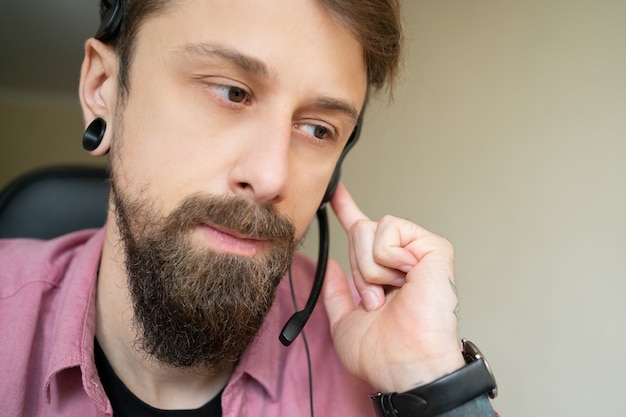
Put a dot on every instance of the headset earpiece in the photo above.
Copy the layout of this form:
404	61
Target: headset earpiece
111	20
332	185
334	179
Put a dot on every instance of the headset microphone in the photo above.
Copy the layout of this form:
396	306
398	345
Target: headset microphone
296	322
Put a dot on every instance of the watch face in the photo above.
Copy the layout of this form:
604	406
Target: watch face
471	353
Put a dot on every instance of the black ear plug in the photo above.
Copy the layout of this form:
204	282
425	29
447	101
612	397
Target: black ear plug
92	138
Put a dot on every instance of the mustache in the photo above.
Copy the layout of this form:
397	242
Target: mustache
236	214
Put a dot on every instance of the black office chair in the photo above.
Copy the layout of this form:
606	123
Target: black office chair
53	201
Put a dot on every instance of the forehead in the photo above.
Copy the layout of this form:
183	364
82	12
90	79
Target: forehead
294	40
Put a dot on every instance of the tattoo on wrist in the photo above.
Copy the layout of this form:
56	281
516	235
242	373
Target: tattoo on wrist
457	308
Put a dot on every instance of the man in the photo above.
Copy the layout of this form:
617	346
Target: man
225	122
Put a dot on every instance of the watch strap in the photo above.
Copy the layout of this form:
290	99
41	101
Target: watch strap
441	395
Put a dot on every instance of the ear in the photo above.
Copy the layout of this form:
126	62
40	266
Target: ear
98	88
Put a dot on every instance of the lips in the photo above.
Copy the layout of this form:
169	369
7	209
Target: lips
229	241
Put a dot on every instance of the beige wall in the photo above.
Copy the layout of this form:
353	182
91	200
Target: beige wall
37	131
507	137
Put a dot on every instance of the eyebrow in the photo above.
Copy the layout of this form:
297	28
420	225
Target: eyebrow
258	68
329	103
209	50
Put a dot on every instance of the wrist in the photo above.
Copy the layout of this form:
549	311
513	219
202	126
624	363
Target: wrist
426	366
447	393
403	377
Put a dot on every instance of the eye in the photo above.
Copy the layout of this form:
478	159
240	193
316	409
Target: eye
317	131
231	93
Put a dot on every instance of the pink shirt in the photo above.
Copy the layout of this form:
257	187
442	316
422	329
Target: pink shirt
47	325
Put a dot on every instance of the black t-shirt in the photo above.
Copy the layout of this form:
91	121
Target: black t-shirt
126	404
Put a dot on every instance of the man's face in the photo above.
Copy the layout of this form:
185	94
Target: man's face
252	99
236	116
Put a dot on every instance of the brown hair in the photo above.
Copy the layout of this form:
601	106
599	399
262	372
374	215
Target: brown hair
376	24
134	13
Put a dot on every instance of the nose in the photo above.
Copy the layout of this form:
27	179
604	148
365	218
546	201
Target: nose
261	171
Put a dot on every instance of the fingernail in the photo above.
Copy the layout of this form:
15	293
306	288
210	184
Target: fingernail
398	282
405	268
370	300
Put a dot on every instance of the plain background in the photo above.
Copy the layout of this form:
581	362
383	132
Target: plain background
506	136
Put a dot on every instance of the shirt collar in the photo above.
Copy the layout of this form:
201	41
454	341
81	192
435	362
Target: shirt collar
75	324
263	361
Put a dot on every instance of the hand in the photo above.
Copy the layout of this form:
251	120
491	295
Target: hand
404	331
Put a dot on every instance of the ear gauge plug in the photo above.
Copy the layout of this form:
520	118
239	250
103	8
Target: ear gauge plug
93	134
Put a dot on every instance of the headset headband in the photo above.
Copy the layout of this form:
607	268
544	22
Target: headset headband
111	20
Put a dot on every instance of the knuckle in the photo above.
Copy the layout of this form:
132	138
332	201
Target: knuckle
388	218
359	226
370	276
447	246
383	254
361	223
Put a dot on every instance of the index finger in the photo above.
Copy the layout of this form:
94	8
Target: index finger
345	208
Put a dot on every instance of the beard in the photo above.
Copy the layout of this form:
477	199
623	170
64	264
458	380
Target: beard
193	306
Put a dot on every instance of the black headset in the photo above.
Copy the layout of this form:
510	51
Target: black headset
110	22
296	322
110	19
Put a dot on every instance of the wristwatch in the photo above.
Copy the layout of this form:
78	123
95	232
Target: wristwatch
444	394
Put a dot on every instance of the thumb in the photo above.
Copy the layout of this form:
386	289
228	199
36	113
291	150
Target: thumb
337	294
